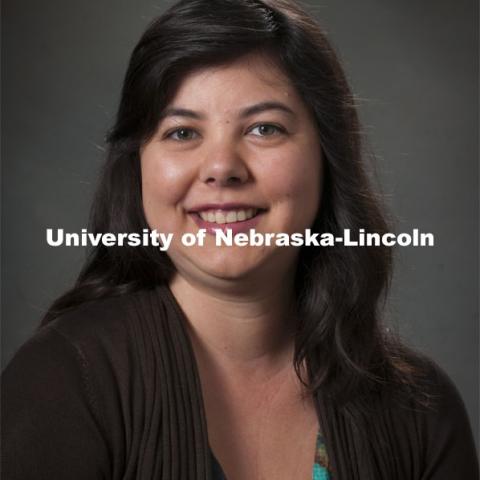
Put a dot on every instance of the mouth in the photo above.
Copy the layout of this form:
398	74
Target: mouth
221	217
237	218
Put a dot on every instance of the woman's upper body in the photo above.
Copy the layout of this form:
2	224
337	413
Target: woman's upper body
114	392
233	116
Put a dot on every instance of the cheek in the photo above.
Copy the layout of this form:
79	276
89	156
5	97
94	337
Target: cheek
295	180
164	183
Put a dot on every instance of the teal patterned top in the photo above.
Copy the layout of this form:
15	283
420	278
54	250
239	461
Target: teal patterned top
321	466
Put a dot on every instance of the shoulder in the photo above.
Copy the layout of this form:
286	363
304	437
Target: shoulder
96	318
64	348
423	386
445	409
94	339
83	363
50	391
432	387
110	325
436	420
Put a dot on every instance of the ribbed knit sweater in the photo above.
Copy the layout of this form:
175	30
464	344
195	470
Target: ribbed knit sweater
111	390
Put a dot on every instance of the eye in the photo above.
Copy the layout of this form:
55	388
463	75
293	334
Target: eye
267	130
182	134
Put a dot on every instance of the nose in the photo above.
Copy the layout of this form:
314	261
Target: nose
223	165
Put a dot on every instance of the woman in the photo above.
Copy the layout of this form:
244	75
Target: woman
231	362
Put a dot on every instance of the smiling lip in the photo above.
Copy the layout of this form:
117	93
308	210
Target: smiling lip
223	207
236	227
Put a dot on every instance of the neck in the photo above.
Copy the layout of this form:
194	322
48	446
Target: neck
251	333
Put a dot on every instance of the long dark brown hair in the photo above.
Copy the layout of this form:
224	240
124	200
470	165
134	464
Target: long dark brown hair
340	290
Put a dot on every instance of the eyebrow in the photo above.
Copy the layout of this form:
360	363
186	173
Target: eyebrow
246	112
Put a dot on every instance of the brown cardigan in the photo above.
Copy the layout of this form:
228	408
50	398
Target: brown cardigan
112	391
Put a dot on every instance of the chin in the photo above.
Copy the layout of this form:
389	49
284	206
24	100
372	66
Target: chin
231	265
225	263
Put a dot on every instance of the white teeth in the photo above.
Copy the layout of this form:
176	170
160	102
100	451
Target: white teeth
219	217
231	216
241	216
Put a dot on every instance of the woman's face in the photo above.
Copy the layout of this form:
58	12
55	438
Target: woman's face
235	141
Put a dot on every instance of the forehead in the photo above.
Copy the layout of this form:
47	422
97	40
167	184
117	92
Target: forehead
249	79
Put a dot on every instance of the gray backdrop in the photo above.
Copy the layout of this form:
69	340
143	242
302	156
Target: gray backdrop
414	68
